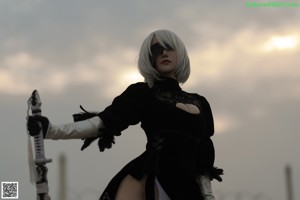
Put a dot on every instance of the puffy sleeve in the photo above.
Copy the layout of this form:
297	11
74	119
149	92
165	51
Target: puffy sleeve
125	110
205	154
208	117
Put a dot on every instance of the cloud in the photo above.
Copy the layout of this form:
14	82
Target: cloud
107	72
225	63
16	71
225	123
243	60
85	52
282	42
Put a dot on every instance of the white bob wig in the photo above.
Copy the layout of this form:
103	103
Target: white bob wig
165	38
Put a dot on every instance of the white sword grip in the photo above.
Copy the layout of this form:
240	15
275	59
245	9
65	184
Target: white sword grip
36	104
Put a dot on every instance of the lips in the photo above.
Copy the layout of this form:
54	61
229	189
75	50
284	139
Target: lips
166	61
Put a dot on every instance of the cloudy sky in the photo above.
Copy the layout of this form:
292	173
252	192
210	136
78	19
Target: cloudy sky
245	61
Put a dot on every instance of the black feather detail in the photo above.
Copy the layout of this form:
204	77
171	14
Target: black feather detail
87	142
215	173
106	136
84	115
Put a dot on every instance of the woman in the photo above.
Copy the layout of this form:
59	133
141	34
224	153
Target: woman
178	162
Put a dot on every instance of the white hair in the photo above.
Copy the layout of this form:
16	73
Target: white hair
164	37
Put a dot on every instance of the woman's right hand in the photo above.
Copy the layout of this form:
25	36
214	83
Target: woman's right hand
37	123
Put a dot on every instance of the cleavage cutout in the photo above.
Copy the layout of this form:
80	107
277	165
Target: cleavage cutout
180	100
187	107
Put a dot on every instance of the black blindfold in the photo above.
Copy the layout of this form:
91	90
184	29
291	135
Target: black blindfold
156	50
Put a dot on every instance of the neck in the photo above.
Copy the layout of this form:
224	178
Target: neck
169	76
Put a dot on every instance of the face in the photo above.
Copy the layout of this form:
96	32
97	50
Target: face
164	59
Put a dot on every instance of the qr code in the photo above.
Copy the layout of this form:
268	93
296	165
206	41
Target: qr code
9	190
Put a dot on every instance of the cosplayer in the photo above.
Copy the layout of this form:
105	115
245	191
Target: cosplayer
178	163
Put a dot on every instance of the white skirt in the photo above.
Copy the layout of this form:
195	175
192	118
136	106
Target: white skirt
203	181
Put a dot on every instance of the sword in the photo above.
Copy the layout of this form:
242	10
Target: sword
42	189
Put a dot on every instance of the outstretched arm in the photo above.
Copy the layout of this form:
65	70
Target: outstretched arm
76	130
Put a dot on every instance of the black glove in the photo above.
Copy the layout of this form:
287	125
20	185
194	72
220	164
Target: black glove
33	125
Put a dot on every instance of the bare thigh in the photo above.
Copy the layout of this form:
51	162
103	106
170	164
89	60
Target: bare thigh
132	189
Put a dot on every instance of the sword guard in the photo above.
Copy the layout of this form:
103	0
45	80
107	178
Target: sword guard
39	161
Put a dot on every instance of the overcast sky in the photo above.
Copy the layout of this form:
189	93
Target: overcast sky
245	61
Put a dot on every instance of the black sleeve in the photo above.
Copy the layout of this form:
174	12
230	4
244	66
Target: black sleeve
125	109
208	117
205	153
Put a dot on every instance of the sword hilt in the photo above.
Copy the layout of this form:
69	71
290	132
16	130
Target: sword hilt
35	104
40	150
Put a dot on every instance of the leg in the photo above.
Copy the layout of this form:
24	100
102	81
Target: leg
131	189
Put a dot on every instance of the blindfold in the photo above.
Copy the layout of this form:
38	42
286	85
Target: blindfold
157	49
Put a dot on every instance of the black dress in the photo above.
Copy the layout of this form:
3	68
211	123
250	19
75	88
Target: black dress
179	147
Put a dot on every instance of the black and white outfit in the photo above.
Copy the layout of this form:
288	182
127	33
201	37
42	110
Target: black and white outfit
179	154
